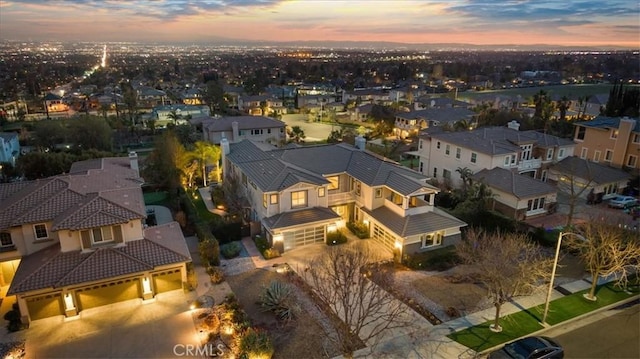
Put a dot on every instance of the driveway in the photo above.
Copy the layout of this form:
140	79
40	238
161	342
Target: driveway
127	329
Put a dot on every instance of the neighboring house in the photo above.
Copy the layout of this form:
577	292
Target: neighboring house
590	106
439	102
518	196
78	241
573	174
410	123
361	113
314	103
148	97
162	114
55	103
525	152
9	147
238	128
260	105
192	96
613	141
300	194
373	96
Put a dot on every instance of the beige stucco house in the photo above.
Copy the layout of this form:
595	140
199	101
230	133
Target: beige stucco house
299	194
78	241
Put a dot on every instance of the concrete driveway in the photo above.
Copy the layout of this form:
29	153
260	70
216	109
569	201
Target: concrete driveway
127	329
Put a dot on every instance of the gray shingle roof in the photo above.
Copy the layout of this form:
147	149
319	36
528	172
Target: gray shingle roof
51	268
280	168
411	225
590	171
510	182
304	216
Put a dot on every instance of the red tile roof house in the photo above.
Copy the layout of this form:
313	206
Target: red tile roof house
300	194
81	242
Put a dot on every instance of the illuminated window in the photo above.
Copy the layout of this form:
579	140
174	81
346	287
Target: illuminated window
298	199
614	134
274	199
431	239
321	192
334	182
378	192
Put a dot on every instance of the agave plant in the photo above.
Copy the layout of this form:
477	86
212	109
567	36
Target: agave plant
279	298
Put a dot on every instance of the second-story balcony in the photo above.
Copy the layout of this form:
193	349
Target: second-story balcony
531	164
340	198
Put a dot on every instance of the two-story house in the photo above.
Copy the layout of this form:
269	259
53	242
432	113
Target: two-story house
9	148
299	194
612	141
237	128
260	105
410	123
78	241
525	152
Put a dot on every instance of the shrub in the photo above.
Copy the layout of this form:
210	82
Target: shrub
227	232
437	259
336	237
261	243
231	250
13	317
271	253
215	274
359	229
209	252
256	343
279	298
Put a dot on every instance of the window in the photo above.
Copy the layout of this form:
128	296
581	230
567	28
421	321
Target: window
421	168
438	145
614	134
584	152
446	173
264	200
334	182
298	199
41	231
535	204
636	138
5	239
561	153
458	152
447	150
268	131
507	160
474	157
378	192
632	161
321	191
581	132
431	239
596	156
549	153
608	154
273	199
435	172
513	160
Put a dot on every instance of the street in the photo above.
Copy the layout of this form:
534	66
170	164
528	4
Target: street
315	131
609	334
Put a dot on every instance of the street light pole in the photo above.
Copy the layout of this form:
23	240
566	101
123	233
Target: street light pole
553	275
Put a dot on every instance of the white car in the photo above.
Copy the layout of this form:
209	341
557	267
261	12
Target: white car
622	202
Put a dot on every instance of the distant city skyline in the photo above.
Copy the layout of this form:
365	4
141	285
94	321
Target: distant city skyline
577	23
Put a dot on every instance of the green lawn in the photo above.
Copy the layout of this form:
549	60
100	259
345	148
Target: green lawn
155	198
201	208
480	337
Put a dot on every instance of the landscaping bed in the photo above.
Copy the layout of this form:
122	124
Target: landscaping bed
303	337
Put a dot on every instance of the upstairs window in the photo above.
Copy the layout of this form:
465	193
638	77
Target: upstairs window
549	153
40	230
274	199
458	152
581	132
474	157
447	150
334	182
5	240
298	199
614	134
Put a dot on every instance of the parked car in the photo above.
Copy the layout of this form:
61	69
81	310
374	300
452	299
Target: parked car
622	202
530	348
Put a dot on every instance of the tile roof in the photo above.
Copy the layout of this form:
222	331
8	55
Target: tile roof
276	169
587	170
96	193
51	268
305	216
518	185
415	224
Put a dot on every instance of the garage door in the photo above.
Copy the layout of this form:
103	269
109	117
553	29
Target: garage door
385	238
45	306
166	281
293	239
108	293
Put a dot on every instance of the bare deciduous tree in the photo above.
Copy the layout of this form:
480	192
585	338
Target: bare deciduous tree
607	250
344	279
507	264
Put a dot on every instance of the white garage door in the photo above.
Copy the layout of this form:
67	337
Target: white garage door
293	239
387	239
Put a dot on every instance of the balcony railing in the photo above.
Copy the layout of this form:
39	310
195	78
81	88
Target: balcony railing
340	198
529	164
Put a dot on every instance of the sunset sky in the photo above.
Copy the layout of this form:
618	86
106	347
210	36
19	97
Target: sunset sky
481	22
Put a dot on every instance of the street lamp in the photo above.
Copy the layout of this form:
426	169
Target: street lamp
553	274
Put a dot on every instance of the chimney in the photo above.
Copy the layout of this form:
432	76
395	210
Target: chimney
361	143
224	147
133	161
514	125
235	132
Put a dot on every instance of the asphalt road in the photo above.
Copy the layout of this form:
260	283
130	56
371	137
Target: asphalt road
609	334
314	131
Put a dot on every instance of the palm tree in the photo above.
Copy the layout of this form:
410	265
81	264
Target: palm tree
204	152
174	116
563	106
465	175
